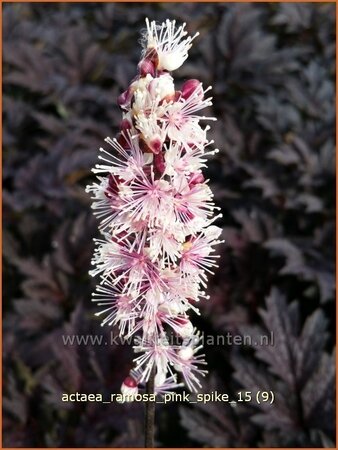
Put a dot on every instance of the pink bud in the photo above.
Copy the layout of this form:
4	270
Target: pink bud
130	382
124	99
129	389
155	145
145	66
190	87
196	178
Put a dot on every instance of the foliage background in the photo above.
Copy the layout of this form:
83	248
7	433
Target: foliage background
272	67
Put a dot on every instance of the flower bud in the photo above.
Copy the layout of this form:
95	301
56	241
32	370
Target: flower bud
192	87
129	389
145	67
124	99
155	145
213	232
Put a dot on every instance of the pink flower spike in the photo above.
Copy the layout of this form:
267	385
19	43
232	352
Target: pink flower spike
156	213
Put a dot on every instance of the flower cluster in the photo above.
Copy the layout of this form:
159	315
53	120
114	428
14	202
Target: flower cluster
157	215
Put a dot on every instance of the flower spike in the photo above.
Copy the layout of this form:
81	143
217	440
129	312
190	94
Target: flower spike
157	217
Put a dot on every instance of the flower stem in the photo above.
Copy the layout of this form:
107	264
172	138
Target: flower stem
150	411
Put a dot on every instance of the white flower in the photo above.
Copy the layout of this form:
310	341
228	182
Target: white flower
162	86
169	42
186	353
145	103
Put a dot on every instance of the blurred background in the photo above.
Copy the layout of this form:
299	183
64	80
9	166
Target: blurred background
272	68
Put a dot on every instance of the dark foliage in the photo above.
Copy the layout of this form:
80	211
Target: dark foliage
272	67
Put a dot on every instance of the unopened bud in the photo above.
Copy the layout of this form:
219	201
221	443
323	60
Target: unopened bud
156	145
129	389
124	99
145	67
192	87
